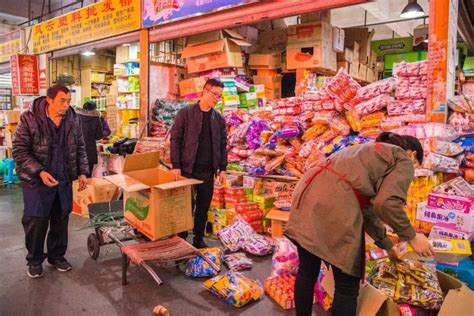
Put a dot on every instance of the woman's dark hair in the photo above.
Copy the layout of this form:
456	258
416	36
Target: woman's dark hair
89	106
214	83
403	141
54	90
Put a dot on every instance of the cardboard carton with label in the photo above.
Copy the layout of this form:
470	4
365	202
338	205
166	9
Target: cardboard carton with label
311	55
98	190
155	202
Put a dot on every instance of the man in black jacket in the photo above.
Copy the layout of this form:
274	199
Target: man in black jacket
49	152
91	130
199	151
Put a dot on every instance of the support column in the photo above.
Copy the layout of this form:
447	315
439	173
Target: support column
144	82
441	57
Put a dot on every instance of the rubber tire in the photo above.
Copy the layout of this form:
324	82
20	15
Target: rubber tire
93	246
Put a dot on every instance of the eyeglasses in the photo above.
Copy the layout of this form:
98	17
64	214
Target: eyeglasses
218	95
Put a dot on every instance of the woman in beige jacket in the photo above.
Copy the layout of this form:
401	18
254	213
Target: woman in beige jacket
354	190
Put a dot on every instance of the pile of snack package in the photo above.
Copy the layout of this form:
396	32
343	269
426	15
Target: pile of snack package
298	133
163	114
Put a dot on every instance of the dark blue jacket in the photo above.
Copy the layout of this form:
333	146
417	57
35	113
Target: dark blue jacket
185	139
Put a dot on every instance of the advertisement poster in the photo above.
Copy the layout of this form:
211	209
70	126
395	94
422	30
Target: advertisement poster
100	20
156	12
10	44
24	69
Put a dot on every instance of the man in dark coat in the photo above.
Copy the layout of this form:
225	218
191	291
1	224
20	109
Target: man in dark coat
199	151
49	152
91	130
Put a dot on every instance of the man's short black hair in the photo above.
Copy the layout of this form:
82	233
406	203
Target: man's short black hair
53	90
214	83
90	106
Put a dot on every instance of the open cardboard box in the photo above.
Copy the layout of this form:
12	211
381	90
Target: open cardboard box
155	203
98	190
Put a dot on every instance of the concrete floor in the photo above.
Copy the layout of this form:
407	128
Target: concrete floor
94	287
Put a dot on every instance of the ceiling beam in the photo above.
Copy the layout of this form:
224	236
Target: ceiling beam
381	10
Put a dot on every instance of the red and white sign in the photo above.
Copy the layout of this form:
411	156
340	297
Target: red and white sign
25	79
42	79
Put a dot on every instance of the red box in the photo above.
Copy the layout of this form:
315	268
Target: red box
235	191
245	207
252	216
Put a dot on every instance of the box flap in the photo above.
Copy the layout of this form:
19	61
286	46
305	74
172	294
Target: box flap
233	34
240	42
141	161
204	49
370	300
126	183
278	215
458	302
177	184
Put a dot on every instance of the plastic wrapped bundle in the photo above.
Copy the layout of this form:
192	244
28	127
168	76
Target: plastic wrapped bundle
232	236
253	133
405	69
406	107
372	105
342	87
410	93
429	130
165	110
256	245
197	267
457	186
238	261
234	288
449	149
285	259
461	103
408	282
440	163
386	86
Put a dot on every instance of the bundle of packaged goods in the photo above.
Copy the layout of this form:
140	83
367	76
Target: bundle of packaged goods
163	115
463	113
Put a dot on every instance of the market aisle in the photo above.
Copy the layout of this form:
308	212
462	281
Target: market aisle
94	288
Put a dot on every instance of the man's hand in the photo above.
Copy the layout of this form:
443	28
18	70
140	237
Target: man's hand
394	254
82	183
221	178
421	246
48	179
176	173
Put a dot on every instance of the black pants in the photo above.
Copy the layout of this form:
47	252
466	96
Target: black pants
202	197
35	235
347	287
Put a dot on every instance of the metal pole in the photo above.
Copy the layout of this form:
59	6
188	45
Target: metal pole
30	19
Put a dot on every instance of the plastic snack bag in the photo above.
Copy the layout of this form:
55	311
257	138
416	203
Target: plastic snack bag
234	288
440	163
285	259
342	87
198	268
231	236
256	245
238	261
444	148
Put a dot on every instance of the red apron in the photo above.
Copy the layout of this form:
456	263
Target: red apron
363	200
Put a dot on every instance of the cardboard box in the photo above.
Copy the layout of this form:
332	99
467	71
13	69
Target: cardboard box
268	82
370	77
115	163
318	16
213	36
154	202
450	202
192	86
445	231
111	99
279	220
456	220
347	55
249	34
274	38
337	39
344	64
354	70
362	72
122	54
446	250
363	37
11	116
371	302
265	61
273	94
98	190
309	33
264	201
318	55
355	52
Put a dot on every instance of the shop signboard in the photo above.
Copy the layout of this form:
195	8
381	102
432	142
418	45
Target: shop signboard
393	46
10	44
24	70
156	12
97	21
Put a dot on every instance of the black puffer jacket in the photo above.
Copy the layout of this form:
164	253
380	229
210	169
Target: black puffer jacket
92	131
31	145
185	139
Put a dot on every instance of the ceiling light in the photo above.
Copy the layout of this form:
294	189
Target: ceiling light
412	10
88	53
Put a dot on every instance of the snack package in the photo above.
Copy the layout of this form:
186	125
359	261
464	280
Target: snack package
372	105
282	290
370	91
440	163
429	130
285	259
411	93
372	120
234	288
444	148
405	69
409	282
314	131
238	261
461	103
231	236
342	87
256	245
457	186
340	125
198	268
406	107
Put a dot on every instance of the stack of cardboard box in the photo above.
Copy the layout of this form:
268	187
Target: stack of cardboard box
358	58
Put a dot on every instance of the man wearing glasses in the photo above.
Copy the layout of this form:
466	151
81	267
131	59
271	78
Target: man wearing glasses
199	151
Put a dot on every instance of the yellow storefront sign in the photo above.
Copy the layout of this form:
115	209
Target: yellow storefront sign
97	21
10	44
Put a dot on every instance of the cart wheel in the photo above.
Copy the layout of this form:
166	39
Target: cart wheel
93	246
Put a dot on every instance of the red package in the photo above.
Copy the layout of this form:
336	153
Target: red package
234	199
252	216
245	207
235	191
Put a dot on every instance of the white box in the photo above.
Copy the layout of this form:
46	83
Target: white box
455	220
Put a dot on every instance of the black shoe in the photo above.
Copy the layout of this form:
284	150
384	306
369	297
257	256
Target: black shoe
200	244
35	272
61	265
